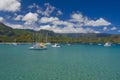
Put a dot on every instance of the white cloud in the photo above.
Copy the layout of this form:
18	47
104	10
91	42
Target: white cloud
62	23
45	27
15	26
75	30
10	5
37	7
49	9
39	11
113	28
67	29
55	21
77	17
105	29
1	19
69	26
18	17
20	26
34	5
48	19
30	18
118	30
98	22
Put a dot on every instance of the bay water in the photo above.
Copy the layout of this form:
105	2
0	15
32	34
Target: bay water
74	62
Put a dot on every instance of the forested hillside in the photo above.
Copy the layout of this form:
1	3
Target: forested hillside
7	34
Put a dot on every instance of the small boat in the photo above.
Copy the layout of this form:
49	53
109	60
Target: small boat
38	46
14	43
107	44
56	45
47	43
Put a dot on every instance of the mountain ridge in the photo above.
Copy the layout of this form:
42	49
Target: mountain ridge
8	34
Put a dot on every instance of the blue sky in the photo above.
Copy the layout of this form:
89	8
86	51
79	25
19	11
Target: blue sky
62	16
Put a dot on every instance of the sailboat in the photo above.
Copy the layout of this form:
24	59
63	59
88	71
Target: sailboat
14	43
38	46
47	43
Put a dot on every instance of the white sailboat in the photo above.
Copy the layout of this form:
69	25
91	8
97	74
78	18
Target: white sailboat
56	45
47	43
14	43
38	46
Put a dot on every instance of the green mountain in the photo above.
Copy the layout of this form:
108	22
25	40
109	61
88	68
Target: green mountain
7	34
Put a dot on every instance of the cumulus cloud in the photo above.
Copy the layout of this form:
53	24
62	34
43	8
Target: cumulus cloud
85	21
45	27
113	28
18	17
46	10
76	30
20	26
67	29
74	25
98	22
10	5
62	23
30	18
49	9
15	26
36	7
77	23
77	17
48	19
1	19
105	29
55	21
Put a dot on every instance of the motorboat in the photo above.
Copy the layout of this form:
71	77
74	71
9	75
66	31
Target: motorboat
107	44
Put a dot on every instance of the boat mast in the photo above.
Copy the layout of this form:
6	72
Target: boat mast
46	37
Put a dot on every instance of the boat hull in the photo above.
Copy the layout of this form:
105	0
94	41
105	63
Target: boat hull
34	48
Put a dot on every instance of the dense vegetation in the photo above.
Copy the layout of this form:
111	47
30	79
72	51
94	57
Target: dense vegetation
8	34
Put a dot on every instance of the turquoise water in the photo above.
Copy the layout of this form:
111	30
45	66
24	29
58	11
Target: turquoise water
74	62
